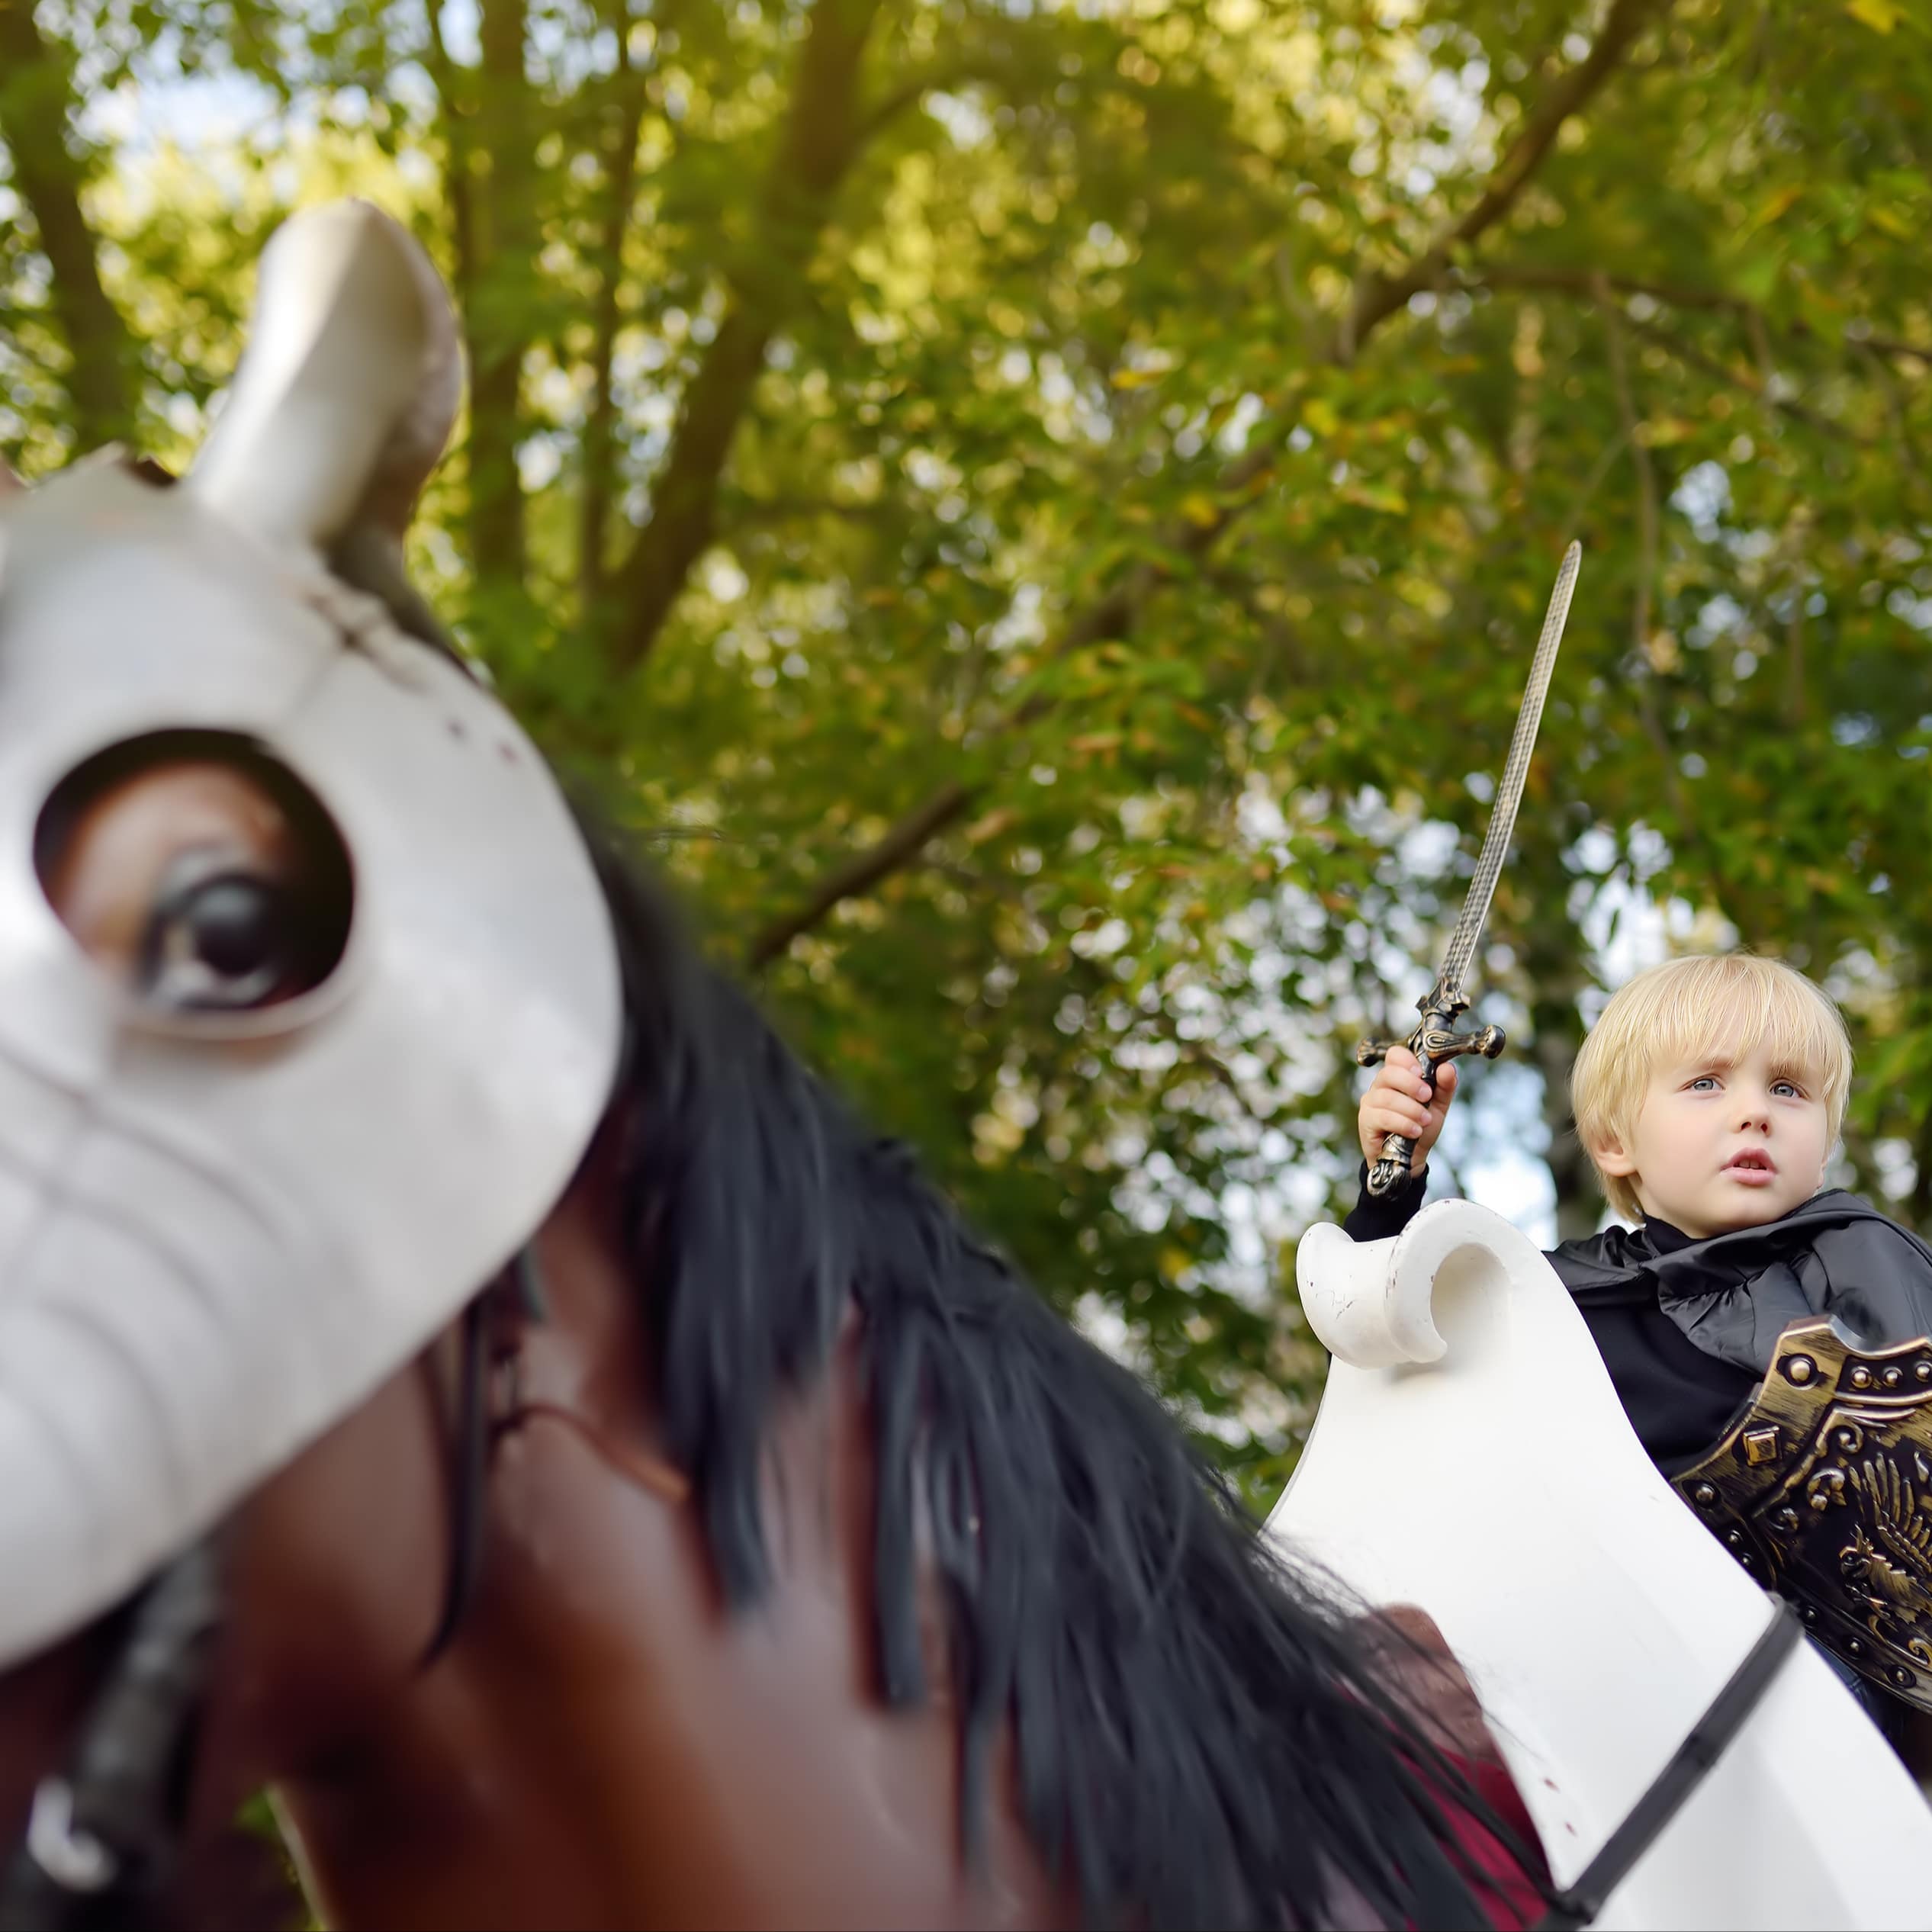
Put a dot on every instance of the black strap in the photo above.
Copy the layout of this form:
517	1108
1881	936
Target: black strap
99	1839
471	1466
523	1284
1579	1904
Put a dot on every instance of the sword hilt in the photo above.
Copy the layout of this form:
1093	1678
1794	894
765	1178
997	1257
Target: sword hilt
1433	1043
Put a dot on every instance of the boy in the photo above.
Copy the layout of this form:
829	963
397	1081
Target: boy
1709	1097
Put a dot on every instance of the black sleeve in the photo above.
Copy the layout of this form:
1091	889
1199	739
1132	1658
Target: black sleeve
1382	1218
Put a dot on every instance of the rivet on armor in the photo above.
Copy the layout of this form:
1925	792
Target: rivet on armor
1901	1676
1761	1446
1733	1537
1808	1614
1705	1495
1893	1376
1861	1376
1923	1370
1855	1646
1799	1369
1785	1519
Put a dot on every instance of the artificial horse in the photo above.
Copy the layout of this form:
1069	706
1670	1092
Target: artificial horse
457	1369
1687	1763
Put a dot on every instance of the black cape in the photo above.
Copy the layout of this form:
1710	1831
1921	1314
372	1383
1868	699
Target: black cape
1732	1295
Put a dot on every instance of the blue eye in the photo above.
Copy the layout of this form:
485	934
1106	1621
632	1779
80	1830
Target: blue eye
1703	1080
1790	1087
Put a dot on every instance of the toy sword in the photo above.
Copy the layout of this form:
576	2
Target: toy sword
1436	1040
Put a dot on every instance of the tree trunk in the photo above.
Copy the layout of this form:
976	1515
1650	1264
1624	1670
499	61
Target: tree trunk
500	311
823	132
36	113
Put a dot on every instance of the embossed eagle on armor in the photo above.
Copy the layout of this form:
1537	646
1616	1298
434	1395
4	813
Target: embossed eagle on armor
1823	1491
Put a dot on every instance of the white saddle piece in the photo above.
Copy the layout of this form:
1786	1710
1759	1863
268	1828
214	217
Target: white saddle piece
1470	1457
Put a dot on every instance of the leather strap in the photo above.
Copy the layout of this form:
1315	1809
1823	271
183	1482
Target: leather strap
1578	1904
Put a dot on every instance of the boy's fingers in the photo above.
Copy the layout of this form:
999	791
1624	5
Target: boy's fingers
1404	1079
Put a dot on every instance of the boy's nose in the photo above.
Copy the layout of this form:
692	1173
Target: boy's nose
1754	1114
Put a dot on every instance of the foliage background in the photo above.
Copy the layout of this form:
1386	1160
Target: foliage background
1037	512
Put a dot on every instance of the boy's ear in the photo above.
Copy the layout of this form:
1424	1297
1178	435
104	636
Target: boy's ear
1610	1158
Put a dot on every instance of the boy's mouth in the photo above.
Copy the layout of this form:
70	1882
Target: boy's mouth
1753	1167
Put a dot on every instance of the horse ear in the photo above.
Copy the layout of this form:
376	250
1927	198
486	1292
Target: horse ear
347	389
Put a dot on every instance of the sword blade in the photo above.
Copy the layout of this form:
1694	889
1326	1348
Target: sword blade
1509	794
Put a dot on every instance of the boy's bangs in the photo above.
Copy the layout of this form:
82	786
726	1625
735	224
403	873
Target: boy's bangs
1752	1004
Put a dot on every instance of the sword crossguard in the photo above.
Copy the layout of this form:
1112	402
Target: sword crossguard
1433	1043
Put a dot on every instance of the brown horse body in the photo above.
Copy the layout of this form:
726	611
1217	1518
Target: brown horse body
604	1743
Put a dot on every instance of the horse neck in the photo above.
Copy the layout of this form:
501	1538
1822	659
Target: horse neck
607	1742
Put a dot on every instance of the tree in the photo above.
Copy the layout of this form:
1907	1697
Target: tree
1039	515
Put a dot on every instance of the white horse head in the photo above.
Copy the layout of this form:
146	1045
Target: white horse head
238	1189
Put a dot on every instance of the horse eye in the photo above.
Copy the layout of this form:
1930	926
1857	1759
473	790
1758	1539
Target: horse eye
198	871
219	937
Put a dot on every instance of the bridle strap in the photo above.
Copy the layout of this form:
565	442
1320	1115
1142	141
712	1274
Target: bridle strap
99	1839
1578	1904
522	1284
470	1460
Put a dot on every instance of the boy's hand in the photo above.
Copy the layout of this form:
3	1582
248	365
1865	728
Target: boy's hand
1399	1101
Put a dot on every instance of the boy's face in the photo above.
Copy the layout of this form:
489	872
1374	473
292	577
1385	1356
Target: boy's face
1722	1144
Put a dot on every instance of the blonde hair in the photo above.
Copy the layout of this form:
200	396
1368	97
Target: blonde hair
1719	1004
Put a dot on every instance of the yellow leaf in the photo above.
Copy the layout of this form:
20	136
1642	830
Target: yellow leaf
1094	741
1384	496
1882	16
1661	431
1199	510
991	825
1894	223
1320	416
1136	378
1776	203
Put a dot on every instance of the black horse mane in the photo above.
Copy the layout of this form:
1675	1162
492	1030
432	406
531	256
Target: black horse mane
1200	1736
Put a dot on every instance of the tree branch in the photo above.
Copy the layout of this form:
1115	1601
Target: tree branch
1583	282
1751	384
863	871
504	231
1377	297
36	106
939	77
456	156
631	96
754	511
1646	550
819	141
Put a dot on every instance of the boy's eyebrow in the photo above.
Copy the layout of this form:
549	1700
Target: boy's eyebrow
1711	1061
